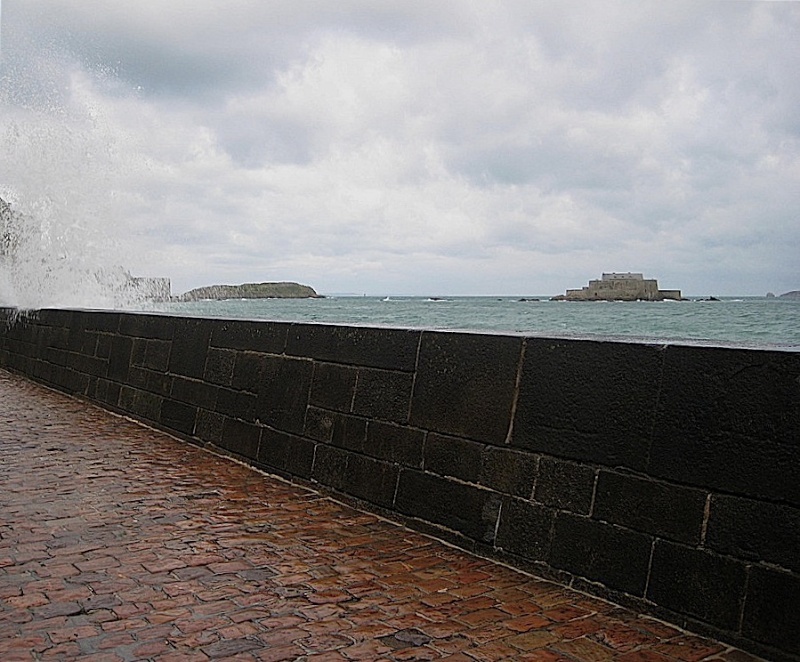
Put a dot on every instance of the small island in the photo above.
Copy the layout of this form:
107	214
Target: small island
620	287
794	294
281	290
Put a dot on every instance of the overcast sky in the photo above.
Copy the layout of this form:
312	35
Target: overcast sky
413	147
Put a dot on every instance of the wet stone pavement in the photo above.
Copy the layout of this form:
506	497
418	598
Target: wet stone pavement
118	542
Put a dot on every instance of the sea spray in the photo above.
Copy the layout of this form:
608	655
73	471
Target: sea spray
62	164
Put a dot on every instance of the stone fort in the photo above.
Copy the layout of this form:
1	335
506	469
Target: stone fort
626	286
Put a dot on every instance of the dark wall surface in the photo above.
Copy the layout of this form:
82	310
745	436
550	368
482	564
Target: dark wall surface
665	477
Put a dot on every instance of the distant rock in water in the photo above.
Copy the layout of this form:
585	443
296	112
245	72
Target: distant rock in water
251	291
794	294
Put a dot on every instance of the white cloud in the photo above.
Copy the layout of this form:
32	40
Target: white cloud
405	147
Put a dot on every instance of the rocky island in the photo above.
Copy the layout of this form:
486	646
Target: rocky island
281	290
620	287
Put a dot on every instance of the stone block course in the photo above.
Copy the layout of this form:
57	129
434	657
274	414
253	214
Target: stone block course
108	392
248	371
330	467
284	393
160	327
158	382
57	337
468	510
731	391
75	382
333	386
141	403
54	318
105	322
219	366
525	529
194	392
78	337
390	349
465	385
58	359
89	344
395	443
319	424
189	347
138	352
728	463
616	557
89	365
119	359
383	395
508	471
588	401
56	375
372	480
236	404
501	469
156	356
286	454
565	485
244	335
660	509
739	421
771	614
349	432
453	456
104	344
208	426
697	583
178	416
754	530
240	438
137	377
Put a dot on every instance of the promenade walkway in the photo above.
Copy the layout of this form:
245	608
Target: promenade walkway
118	542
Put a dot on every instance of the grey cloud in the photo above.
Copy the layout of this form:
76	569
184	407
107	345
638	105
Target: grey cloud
192	49
424	139
253	142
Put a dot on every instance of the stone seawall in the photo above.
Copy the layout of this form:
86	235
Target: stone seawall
665	477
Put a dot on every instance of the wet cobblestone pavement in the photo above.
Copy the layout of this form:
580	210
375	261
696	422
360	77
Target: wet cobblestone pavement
118	542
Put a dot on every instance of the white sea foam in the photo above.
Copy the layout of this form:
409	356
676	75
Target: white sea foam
60	164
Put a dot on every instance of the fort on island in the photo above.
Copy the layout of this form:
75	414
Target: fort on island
620	287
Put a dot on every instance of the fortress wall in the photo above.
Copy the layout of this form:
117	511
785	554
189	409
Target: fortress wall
663	477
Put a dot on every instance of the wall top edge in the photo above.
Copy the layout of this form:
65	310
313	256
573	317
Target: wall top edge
662	343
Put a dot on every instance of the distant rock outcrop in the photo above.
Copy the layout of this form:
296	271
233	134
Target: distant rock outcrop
794	294
251	291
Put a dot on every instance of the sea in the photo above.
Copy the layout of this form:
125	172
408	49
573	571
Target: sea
756	322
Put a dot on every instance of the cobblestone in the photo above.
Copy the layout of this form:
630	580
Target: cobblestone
118	542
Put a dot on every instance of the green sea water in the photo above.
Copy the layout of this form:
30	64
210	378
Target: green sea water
748	321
